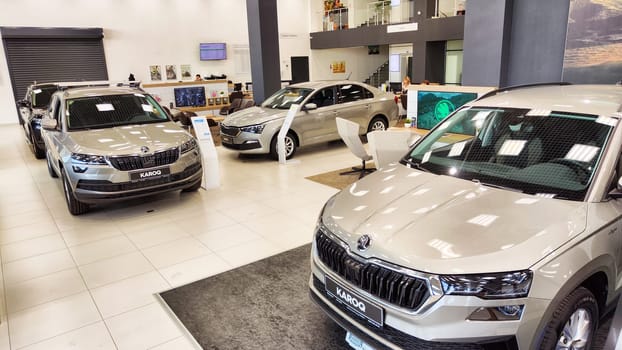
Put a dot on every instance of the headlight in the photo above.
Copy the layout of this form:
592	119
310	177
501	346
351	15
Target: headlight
254	129
188	145
88	159
489	286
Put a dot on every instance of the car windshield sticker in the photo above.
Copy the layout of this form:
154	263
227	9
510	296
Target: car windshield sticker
582	153
457	148
37	91
139	95
147	108
512	147
426	157
481	115
539	112
105	107
611	121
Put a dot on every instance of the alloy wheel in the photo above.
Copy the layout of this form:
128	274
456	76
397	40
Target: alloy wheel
576	332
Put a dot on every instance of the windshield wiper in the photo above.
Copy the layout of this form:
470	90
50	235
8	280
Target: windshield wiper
497	186
417	166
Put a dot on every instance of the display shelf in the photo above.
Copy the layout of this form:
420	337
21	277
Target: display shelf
201	109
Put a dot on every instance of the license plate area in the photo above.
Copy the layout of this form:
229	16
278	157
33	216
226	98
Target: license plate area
355	303
149	174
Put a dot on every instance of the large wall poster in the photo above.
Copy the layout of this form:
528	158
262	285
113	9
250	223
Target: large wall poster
594	42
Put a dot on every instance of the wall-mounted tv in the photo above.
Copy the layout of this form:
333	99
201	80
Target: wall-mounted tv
190	96
212	51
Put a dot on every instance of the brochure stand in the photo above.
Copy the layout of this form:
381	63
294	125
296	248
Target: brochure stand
280	138
211	170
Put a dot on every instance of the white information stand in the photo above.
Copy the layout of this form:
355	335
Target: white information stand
211	170
280	138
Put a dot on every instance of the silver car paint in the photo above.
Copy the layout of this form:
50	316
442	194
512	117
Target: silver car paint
317	125
420	221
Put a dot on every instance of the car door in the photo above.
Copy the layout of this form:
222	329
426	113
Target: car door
53	138
355	104
311	125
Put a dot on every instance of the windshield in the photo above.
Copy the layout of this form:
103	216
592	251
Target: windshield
113	110
41	96
552	156
284	98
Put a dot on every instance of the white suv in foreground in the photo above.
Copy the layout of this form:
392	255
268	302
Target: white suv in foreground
501	229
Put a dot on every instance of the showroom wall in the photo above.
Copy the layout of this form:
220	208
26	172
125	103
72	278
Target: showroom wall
526	45
358	64
139	33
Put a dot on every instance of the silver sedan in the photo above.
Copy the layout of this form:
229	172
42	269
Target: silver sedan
254	130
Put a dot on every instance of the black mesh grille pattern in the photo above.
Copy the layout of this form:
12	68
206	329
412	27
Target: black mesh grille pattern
229	130
397	337
107	186
141	162
393	287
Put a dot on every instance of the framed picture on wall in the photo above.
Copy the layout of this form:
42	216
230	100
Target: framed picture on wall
186	71
155	72
171	72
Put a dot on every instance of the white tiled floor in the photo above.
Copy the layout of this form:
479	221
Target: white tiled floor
88	282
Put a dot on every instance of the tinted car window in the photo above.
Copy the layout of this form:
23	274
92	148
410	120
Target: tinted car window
113	110
352	92
324	97
41	96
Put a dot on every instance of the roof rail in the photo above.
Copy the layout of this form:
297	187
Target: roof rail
514	87
98	83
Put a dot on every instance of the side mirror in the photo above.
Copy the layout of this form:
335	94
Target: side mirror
23	104
309	107
49	123
617	192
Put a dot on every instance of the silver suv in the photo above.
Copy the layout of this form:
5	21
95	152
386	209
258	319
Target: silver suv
114	143
502	228
254	130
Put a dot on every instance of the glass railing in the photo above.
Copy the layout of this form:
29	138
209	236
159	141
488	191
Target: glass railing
366	13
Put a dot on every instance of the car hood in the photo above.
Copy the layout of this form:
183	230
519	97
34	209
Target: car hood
445	225
254	115
129	139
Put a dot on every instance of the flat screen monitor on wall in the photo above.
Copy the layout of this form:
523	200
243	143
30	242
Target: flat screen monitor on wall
212	51
434	106
190	96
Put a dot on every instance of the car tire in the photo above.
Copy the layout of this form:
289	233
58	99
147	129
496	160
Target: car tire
51	170
290	146
195	187
377	124
75	206
577	312
36	150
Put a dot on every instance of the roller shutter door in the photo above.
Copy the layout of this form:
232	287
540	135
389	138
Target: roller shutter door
46	55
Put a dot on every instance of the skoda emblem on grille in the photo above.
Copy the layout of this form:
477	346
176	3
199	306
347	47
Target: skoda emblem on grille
144	149
363	242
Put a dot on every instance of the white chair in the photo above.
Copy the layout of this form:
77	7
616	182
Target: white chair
388	146
349	132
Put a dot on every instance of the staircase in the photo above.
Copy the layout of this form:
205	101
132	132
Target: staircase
380	76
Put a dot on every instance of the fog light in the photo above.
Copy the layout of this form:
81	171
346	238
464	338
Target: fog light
79	170
497	313
248	142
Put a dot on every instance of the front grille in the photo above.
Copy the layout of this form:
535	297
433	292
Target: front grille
229	130
393	287
107	186
126	163
397	337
